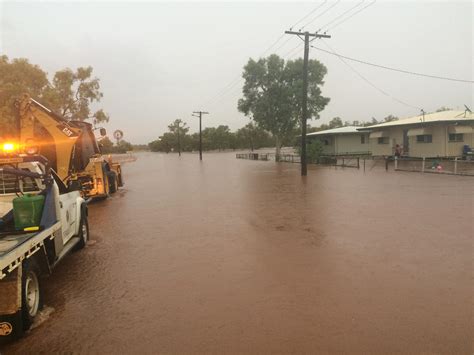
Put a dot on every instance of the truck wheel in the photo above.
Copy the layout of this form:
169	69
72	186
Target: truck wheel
113	184
32	298
83	233
120	179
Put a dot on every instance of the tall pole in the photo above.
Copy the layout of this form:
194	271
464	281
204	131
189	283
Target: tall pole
304	101
199	114
304	118
179	142
200	136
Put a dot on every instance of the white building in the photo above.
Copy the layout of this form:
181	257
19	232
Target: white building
439	134
343	141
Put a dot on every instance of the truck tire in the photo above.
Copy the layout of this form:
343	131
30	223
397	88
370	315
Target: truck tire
83	232
31	293
113	183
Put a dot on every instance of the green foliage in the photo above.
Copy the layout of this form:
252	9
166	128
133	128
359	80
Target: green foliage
336	122
272	94
252	137
108	147
314	149
70	93
17	77
214	138
443	108
390	118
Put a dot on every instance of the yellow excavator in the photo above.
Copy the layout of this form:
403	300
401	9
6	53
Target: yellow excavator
70	146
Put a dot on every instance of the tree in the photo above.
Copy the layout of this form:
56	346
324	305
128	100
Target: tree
272	94
252	137
443	108
178	129
71	94
390	118
106	145
17	77
336	122
222	137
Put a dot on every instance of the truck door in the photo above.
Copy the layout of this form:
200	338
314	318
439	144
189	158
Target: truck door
68	205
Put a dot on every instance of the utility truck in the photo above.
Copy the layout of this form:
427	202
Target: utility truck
41	221
70	146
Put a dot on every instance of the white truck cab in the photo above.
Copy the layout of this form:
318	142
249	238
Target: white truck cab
29	253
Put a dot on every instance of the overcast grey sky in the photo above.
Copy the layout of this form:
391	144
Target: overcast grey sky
158	61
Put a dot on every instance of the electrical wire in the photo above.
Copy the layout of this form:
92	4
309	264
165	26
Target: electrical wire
238	79
349	17
341	15
321	14
394	69
309	14
369	82
232	89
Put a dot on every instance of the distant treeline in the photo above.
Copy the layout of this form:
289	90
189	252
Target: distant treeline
213	138
248	137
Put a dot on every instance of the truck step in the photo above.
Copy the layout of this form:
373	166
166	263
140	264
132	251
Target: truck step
67	249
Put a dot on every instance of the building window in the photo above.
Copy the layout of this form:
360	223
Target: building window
362	139
382	140
326	141
424	138
456	137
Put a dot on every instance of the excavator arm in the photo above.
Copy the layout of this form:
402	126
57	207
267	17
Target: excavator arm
35	118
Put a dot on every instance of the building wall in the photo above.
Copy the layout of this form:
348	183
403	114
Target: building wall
434	149
455	148
351	143
440	145
395	136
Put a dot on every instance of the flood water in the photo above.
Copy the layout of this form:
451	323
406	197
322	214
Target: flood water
237	256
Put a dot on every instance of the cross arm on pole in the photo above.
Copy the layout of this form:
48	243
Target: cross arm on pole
317	35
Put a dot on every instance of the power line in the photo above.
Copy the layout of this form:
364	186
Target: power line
321	14
394	69
341	15
370	83
233	88
309	14
228	88
355	13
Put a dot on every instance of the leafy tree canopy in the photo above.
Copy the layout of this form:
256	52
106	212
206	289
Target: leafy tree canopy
70	93
272	94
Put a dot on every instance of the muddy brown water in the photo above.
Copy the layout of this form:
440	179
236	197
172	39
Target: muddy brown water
237	256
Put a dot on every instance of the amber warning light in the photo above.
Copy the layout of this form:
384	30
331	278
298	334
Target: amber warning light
8	147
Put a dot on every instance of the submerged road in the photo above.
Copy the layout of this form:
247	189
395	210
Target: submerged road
236	256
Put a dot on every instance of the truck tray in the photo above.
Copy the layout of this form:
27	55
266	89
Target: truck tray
15	248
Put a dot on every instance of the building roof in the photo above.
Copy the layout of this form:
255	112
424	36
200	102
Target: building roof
444	116
340	130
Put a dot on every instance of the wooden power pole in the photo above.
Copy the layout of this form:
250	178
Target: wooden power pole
304	111
199	114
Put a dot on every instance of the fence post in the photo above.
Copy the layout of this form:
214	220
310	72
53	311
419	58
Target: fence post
386	163
358	162
364	164
456	165
342	161
396	163
423	165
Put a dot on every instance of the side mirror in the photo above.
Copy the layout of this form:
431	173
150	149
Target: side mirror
103	132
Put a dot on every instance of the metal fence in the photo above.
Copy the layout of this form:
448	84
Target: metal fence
454	166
